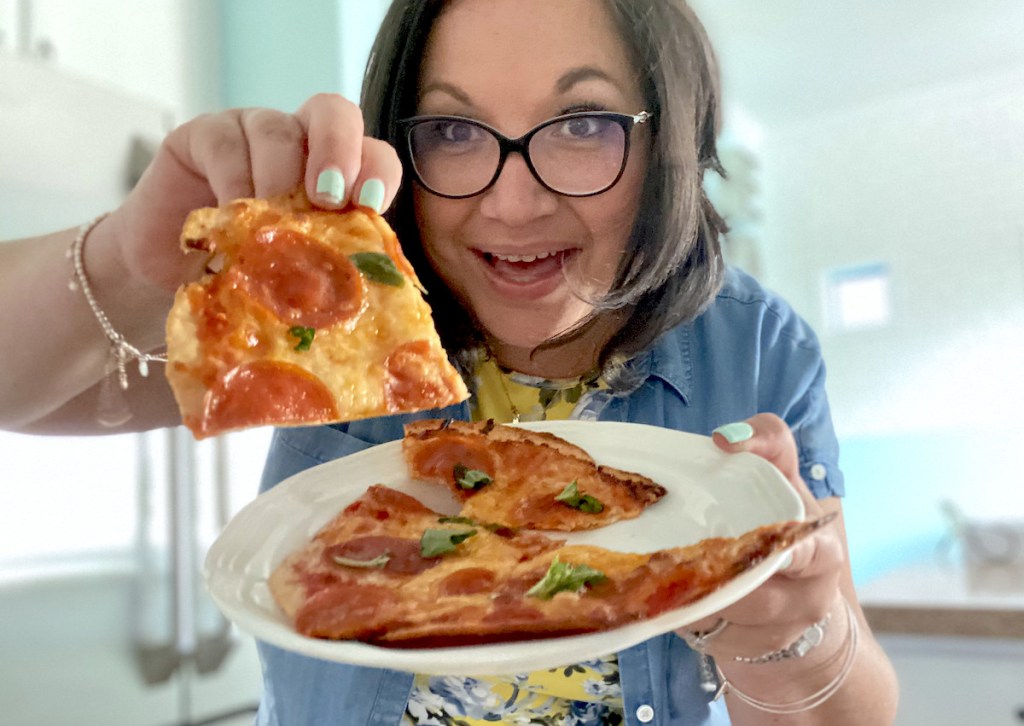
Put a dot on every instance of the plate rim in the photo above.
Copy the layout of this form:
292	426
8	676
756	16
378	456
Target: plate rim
518	655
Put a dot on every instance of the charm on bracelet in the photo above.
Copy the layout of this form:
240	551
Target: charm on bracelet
698	640
113	407
808	640
815	699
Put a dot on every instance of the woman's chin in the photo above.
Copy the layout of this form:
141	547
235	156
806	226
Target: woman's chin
526	334
521	340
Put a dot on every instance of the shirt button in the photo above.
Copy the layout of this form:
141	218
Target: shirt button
645	714
818	472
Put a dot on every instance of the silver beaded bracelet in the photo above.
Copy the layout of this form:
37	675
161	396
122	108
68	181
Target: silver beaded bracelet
808	640
815	699
113	408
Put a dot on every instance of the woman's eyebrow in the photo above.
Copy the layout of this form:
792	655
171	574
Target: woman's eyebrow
565	83
444	87
583	73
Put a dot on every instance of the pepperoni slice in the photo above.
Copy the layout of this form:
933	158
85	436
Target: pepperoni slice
264	392
404	556
346	611
467	581
381	503
437	458
302	281
412	380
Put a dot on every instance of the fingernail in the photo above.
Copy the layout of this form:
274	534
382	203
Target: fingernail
372	195
735	432
330	186
787	562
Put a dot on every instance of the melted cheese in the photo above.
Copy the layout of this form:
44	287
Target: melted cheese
375	350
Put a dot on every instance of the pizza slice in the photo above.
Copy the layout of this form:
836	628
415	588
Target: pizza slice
385	557
389	571
523	478
305	316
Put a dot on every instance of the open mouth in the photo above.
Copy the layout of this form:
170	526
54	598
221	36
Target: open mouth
527	269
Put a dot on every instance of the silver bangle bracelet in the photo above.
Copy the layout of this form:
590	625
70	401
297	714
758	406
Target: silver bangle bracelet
815	699
113	408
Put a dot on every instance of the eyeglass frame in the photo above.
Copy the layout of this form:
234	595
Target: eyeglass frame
521	146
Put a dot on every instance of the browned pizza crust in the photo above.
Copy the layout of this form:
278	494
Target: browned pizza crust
528	471
329	600
489	587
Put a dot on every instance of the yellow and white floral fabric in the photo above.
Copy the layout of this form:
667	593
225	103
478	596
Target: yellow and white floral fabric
583	694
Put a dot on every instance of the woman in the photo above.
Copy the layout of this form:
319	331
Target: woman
581	262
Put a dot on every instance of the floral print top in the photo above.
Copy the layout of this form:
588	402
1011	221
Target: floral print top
583	694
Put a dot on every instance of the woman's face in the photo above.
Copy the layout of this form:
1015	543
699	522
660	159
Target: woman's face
514	64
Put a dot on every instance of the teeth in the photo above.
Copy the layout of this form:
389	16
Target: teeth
522	258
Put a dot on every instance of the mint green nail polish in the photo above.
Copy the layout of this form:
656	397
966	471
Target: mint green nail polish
735	432
330	186
372	195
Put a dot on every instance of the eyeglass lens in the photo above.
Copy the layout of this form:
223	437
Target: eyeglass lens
578	156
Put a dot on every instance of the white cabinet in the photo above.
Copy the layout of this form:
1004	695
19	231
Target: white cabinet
8	25
166	51
958	681
100	594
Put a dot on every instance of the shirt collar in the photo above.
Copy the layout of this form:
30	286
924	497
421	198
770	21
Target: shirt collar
668	360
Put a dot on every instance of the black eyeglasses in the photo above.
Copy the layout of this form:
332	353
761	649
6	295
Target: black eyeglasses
578	154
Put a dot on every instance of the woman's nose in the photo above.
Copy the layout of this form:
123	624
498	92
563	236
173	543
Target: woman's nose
517	197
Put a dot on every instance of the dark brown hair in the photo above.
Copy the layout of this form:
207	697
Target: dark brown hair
673	263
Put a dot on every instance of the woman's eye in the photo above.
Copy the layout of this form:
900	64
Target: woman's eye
455	132
582	128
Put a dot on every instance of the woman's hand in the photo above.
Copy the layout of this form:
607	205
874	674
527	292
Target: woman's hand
134	261
774	615
256	152
844	678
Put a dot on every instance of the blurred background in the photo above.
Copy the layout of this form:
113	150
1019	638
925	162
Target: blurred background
875	159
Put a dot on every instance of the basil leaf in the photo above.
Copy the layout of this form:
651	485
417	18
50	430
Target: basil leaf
468	478
571	497
457	520
305	336
378	561
378	267
436	542
499	529
565	577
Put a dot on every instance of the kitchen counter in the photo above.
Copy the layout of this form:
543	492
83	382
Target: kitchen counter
947	599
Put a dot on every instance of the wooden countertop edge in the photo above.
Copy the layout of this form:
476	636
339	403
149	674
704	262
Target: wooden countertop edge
963	622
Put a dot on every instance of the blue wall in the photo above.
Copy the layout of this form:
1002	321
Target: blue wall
896	484
278	53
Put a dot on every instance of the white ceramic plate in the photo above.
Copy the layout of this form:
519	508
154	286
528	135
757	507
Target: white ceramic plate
709	494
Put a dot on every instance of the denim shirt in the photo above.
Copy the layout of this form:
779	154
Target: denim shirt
747	353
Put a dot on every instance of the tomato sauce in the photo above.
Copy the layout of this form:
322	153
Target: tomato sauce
411	380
